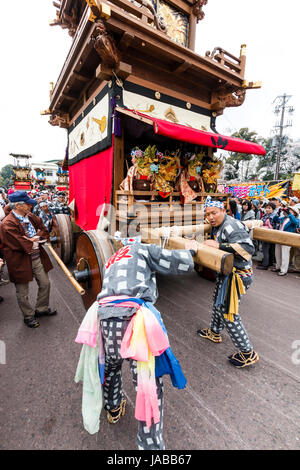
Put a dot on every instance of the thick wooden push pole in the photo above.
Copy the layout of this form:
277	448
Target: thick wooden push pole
66	271
207	256
277	236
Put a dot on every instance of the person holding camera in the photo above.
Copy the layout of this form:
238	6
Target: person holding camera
289	222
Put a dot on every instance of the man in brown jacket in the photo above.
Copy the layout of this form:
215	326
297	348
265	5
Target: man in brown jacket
22	235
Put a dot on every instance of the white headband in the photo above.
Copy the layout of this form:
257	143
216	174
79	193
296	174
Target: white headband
127	240
210	203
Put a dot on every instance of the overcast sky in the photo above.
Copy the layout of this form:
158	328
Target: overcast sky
33	53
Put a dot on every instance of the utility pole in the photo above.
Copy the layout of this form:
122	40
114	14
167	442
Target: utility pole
281	108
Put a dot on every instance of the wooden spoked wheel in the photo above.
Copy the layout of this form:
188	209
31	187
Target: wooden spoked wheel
61	237
93	250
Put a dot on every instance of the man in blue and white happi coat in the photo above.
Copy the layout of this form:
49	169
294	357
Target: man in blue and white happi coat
232	236
130	273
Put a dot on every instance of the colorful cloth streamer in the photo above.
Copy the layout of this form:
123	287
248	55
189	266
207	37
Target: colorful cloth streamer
146	341
88	370
88	334
146	405
101	359
166	363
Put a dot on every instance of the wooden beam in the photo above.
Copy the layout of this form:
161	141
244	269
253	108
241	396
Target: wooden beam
277	236
125	41
123	70
179	231
69	97
138	11
207	256
103	72
118	171
195	229
182	67
82	78
259	233
133	115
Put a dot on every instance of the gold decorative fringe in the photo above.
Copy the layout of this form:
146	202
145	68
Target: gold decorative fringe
234	297
121	409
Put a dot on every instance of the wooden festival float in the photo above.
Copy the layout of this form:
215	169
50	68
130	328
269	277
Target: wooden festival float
22	170
140	107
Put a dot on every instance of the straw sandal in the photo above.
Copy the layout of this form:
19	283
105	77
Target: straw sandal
241	359
208	334
113	416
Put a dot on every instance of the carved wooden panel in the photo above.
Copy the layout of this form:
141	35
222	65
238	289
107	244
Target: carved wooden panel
176	22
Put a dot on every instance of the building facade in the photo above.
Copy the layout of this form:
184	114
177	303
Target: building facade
45	172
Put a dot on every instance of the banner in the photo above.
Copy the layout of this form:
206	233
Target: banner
296	182
259	190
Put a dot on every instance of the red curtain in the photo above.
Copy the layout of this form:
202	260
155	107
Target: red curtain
207	139
90	184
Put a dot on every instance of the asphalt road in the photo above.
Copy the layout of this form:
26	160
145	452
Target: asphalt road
221	408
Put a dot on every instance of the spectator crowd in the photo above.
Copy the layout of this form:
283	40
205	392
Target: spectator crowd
49	202
276	214
45	204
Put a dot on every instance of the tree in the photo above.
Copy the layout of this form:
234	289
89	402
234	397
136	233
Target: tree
289	160
237	165
266	163
6	176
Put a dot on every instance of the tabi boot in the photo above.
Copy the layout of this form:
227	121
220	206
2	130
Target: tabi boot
113	416
243	359
208	334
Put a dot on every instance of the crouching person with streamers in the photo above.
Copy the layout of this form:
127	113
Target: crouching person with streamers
131	328
232	236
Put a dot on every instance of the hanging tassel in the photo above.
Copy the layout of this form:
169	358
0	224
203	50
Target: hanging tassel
237	289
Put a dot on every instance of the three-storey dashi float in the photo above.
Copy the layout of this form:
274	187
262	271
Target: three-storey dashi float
140	108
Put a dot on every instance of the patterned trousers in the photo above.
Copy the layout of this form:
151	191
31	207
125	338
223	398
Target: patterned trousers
236	329
113	331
